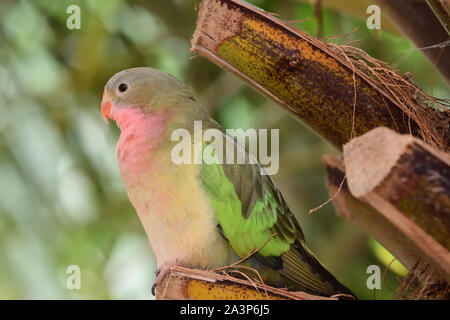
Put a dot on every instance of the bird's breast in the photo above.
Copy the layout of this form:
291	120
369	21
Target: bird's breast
171	203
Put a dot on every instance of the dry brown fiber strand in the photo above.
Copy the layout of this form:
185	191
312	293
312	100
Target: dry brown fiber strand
431	114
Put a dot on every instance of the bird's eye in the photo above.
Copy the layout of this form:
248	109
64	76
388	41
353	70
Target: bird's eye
123	87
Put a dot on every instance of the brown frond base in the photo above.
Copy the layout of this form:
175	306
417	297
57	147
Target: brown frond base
192	284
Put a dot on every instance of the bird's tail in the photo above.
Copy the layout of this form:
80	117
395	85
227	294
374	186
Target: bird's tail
306	273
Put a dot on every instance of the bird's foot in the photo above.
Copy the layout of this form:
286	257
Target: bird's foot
161	272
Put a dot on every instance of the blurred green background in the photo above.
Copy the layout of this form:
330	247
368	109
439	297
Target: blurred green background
62	200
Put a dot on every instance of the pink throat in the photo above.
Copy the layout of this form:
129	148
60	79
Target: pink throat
142	133
135	118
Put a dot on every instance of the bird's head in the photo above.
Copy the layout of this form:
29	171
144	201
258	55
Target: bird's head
141	89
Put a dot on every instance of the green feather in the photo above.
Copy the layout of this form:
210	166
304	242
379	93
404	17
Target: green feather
244	234
249	210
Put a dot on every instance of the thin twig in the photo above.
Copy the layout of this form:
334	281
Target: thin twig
329	199
249	255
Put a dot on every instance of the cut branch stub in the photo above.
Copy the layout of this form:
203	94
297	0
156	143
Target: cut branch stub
314	83
409	183
370	220
410	175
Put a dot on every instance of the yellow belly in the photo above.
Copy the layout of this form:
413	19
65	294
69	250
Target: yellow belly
176	214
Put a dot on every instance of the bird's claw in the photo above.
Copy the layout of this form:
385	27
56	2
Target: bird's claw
160	274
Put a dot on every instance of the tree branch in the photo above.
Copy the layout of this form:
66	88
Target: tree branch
398	191
192	284
338	92
418	22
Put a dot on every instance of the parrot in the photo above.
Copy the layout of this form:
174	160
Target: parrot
203	216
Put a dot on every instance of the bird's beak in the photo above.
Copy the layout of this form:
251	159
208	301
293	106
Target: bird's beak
106	106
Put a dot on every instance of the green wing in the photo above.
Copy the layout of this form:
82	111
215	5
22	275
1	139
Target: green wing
249	209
